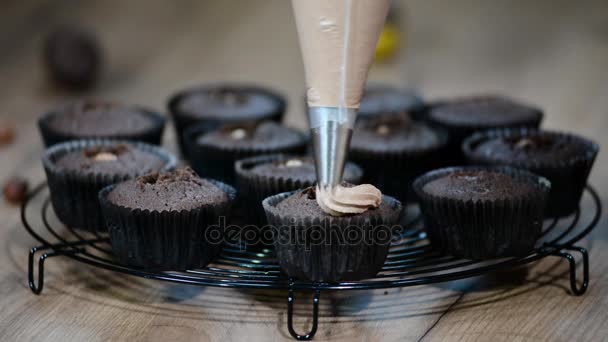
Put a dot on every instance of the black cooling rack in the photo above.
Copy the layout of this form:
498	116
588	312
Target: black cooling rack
411	260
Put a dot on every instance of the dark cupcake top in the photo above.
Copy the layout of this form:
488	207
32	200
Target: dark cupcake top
379	100
253	135
174	191
99	119
119	159
303	204
298	168
478	185
484	111
542	148
394	133
229	102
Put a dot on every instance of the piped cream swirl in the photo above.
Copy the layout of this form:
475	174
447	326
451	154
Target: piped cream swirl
342	200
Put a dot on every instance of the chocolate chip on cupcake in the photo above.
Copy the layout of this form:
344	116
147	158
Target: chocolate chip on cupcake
564	159
221	104
482	213
77	170
263	176
382	100
97	119
394	150
213	154
464	116
332	235
166	221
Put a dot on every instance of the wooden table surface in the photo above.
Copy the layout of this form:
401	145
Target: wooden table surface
551	52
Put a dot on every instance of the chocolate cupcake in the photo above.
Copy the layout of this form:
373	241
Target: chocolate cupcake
481	212
315	246
564	159
213	154
382	100
464	116
77	170
263	176
96	119
166	221
225	103
394	150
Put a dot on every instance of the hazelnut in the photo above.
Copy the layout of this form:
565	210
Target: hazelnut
15	190
7	134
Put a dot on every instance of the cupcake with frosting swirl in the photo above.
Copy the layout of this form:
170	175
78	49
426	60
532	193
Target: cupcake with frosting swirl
332	235
262	176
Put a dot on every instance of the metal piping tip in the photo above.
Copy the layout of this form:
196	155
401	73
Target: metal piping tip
332	130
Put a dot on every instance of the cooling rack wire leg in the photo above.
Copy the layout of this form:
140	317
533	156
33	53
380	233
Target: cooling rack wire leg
37	287
315	314
576	290
30	271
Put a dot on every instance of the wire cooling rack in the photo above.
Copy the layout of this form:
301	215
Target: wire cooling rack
411	260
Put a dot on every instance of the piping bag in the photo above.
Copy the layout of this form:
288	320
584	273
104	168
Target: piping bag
338	40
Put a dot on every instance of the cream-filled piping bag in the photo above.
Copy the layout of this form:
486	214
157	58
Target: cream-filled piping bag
338	40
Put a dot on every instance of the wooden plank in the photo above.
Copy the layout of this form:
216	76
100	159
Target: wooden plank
541	309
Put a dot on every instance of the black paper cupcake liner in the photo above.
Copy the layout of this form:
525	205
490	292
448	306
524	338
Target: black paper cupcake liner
182	120
217	162
421	114
394	171
74	194
344	257
255	188
568	177
167	240
411	103
152	136
484	229
457	133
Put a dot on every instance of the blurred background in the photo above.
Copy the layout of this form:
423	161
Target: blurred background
552	53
